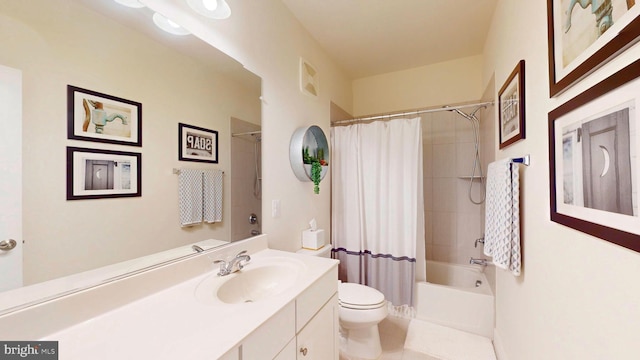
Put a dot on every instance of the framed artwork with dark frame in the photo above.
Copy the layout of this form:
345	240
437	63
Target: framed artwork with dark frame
197	144
97	174
594	173
511	124
92	116
585	34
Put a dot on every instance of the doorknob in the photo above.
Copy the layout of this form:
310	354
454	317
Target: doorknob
6	245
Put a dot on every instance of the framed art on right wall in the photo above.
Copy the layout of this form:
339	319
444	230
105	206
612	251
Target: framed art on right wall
585	34
511	126
593	160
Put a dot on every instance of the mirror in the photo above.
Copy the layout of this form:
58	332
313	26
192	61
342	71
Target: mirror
111	49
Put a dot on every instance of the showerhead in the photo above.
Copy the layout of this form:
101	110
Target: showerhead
464	115
471	117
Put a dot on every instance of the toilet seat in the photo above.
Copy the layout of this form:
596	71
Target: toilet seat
359	297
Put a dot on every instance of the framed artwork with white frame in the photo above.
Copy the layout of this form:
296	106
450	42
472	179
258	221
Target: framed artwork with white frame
511	124
593	153
197	144
93	116
585	34
98	173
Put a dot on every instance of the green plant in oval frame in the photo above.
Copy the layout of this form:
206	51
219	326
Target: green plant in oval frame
316	175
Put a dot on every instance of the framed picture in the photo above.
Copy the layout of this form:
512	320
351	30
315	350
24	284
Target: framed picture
97	174
593	153
92	116
197	144
585	34
511	107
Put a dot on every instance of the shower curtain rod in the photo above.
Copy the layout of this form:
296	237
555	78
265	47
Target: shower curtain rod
413	112
247	133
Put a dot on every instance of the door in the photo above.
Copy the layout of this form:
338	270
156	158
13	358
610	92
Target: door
607	163
10	178
99	175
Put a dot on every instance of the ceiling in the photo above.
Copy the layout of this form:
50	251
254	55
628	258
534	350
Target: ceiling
372	37
140	20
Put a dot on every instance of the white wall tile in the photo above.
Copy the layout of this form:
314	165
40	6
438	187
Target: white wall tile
443	128
444	194
444	228
444	160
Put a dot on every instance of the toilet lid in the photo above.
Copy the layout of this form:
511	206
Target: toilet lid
356	296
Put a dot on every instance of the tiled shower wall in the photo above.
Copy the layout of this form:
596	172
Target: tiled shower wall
452	221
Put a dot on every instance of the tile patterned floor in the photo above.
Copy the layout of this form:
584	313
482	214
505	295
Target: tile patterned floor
393	332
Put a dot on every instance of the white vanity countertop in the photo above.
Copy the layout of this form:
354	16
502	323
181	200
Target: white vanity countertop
51	288
174	324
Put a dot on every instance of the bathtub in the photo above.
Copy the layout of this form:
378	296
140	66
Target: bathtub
456	296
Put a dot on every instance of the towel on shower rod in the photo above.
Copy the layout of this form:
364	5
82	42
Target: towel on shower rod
502	215
212	212
190	196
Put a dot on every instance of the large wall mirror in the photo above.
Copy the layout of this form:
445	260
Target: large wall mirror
111	49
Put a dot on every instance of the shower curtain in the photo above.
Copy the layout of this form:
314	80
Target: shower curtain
377	206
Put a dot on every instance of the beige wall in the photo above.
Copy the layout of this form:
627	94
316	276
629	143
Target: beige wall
578	296
449	82
265	37
62	45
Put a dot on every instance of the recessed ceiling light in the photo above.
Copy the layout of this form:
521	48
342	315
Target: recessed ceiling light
168	25
130	3
214	9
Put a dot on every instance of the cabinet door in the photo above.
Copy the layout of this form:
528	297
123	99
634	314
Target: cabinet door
270	338
289	351
317	340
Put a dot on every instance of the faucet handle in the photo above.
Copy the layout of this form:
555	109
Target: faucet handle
223	267
242	257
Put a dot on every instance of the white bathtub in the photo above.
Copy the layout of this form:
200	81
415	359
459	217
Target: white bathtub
457	296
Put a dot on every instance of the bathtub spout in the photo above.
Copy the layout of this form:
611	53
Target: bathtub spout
474	261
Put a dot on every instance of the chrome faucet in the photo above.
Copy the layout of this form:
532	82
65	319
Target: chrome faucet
474	261
235	264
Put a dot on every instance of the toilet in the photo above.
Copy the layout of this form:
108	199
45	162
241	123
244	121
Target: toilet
360	309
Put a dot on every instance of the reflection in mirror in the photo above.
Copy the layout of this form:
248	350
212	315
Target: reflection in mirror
246	177
108	48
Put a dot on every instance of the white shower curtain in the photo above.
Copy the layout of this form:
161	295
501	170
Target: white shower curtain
377	205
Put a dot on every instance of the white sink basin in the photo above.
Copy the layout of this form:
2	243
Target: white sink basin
260	279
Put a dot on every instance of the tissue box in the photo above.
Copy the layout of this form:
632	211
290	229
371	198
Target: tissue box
313	239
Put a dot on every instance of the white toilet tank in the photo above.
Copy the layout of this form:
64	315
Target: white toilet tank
324	251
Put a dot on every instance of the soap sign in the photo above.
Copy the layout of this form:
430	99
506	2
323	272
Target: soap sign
197	144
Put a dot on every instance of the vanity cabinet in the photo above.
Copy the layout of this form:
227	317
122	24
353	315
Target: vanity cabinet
305	329
317	340
233	354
